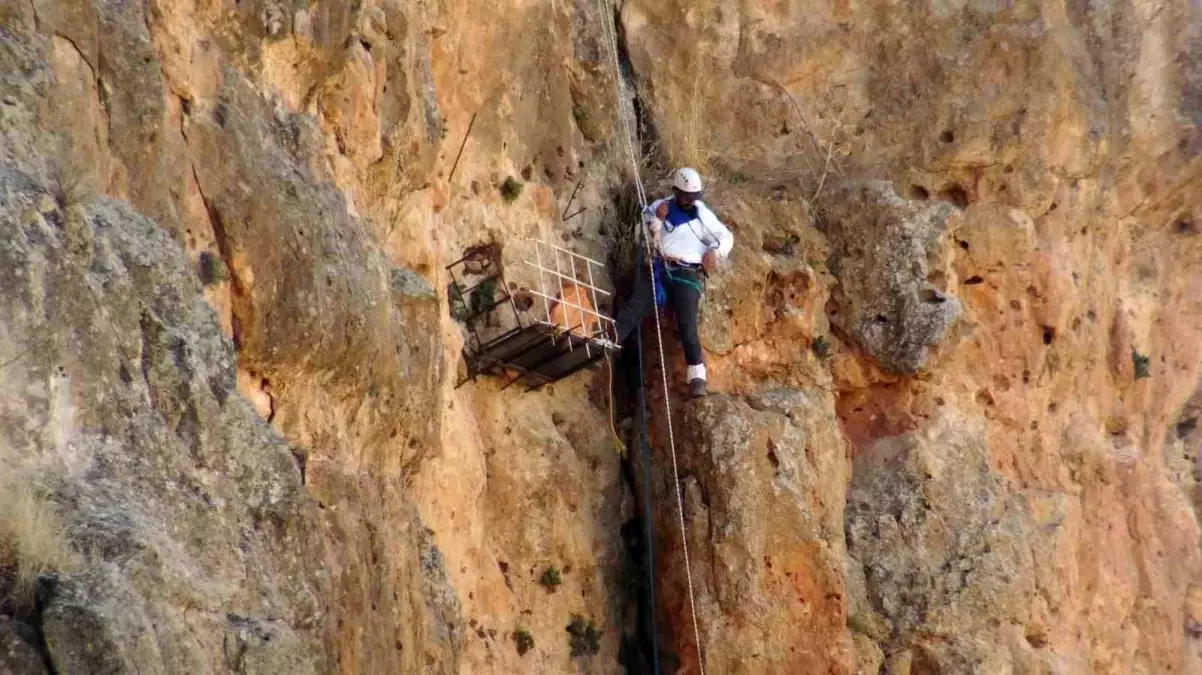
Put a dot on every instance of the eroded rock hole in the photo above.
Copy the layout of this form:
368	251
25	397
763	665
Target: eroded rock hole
955	195
919	193
932	296
301	457
947	136
974	280
923	664
1049	334
504	567
1185	427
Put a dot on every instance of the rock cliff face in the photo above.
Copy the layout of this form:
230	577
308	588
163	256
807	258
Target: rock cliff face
957	379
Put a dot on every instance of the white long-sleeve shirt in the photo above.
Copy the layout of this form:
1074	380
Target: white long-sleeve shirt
688	240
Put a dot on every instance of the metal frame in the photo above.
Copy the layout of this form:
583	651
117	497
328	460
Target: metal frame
491	255
565	216
494	357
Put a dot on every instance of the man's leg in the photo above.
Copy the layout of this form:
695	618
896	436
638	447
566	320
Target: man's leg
685	295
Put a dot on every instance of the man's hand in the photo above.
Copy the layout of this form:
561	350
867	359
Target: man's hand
710	260
662	211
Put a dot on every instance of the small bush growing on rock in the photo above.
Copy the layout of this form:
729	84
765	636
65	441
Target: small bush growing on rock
32	540
820	347
580	113
523	640
212	269
550	579
584	638
511	189
482	296
1141	365
459	310
72	184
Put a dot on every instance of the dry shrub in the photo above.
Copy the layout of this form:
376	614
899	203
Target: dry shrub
32	540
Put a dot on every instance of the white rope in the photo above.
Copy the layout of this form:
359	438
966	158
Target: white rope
611	33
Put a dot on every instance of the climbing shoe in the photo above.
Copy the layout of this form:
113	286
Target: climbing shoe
697	387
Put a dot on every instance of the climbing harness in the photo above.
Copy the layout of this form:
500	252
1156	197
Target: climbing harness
664	277
699	286
608	14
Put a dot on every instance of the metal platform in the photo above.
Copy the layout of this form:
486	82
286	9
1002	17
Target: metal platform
538	352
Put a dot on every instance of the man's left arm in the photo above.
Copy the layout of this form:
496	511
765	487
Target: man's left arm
726	240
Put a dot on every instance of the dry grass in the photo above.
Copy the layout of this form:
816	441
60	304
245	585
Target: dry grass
32	539
72	181
694	132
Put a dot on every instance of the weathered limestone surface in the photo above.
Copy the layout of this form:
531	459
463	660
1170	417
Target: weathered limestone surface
955	354
1000	238
297	150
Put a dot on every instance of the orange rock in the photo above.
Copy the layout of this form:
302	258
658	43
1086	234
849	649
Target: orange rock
574	311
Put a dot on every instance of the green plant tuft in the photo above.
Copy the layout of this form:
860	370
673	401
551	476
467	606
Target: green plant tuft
523	640
511	189
1141	364
212	269
584	638
459	310
580	112
550	579
820	347
482	295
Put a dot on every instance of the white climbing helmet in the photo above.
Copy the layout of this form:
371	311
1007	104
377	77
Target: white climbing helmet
687	180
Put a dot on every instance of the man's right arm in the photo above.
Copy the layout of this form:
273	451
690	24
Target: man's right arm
654	221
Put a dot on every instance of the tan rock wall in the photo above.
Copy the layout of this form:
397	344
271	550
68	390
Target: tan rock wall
1063	138
961	229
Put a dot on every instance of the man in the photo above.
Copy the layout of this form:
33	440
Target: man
689	241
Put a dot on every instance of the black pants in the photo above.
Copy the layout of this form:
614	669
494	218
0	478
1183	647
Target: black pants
682	297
